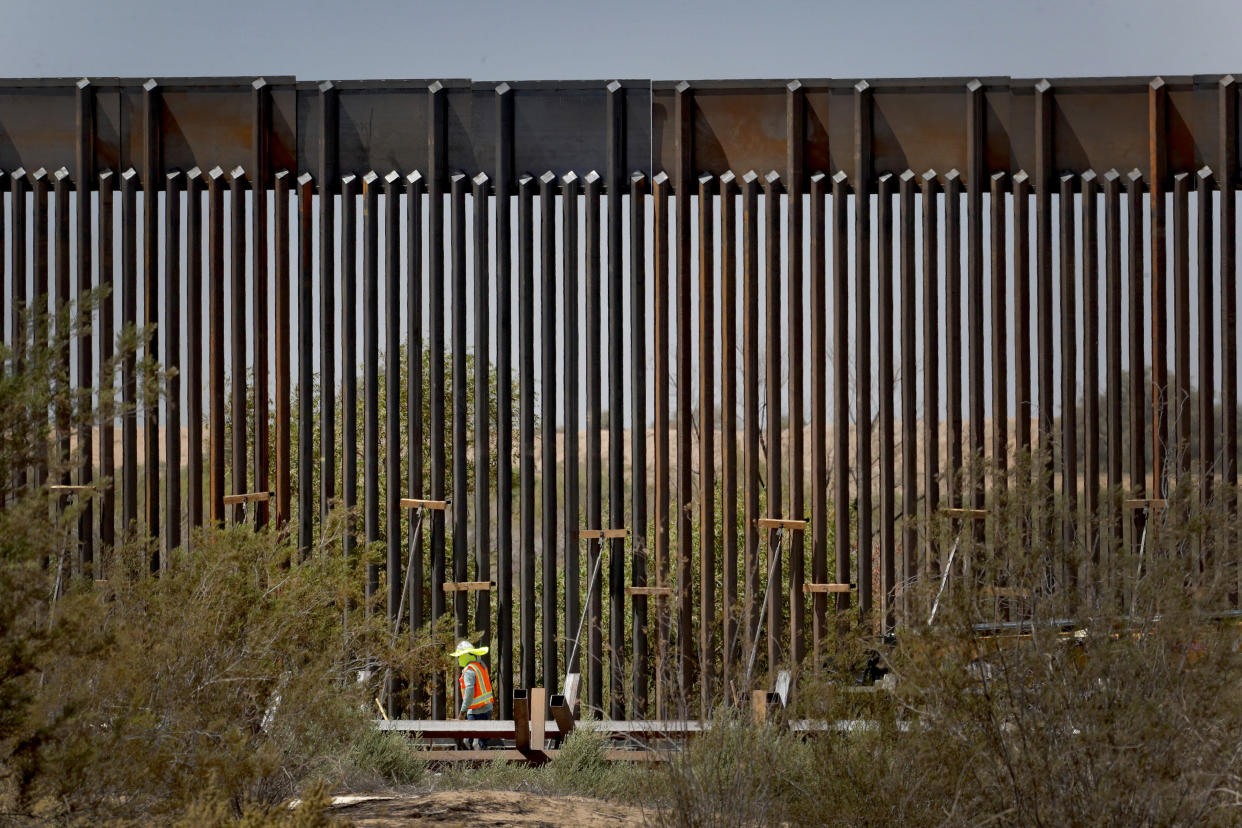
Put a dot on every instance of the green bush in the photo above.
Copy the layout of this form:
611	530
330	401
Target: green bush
388	755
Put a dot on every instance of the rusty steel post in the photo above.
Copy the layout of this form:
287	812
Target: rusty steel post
1089	230
863	174
840	383
1157	126
570	274
327	168
1069	385
457	301
885	294
1179	403
1044	470
707	444
194	340
638	433
1135	330
728	429
152	162
436	175
480	187
526	427
795	187
683	188
107	428
61	299
215	334
261	128
1091	368
819	412
954	427
660	330
1000	348
1022	312
547	378
614	187
349	361
370	372
1112	354
772	385
41	294
414	590
594	448
931	372
237	341
750	405
909	414
84	183
172	360
976	184
1227	171
283	180
503	186
1207	340
393	484
306	370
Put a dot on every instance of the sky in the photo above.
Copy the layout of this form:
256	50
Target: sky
666	39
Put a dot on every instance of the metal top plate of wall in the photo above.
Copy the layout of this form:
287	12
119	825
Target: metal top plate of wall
1096	123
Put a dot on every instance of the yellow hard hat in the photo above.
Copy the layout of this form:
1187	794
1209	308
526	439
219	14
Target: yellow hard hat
464	647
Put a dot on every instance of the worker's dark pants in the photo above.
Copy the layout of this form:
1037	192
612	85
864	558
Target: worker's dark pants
486	715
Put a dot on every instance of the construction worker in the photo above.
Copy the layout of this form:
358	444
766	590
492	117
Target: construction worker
475	684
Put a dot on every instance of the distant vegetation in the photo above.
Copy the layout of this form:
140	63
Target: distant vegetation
240	677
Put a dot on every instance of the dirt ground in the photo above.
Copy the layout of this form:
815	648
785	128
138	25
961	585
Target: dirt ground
483	808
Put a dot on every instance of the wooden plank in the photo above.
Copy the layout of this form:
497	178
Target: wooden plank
247	497
538	717
468	586
1145	503
810	589
649	591
601	534
759	706
419	503
965	514
781	523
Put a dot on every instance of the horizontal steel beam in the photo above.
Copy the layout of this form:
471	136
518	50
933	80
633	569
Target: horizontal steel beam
563	126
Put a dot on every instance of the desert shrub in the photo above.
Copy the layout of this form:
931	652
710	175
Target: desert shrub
388	755
1098	686
581	767
735	773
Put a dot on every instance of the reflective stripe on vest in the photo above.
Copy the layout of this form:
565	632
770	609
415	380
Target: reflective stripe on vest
482	685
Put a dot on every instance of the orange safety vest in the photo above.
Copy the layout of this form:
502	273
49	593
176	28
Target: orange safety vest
482	685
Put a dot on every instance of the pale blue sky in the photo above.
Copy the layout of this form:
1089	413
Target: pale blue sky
668	39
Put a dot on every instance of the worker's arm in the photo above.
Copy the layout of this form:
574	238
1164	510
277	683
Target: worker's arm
468	677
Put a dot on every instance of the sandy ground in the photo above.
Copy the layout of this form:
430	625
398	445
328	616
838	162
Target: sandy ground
482	808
